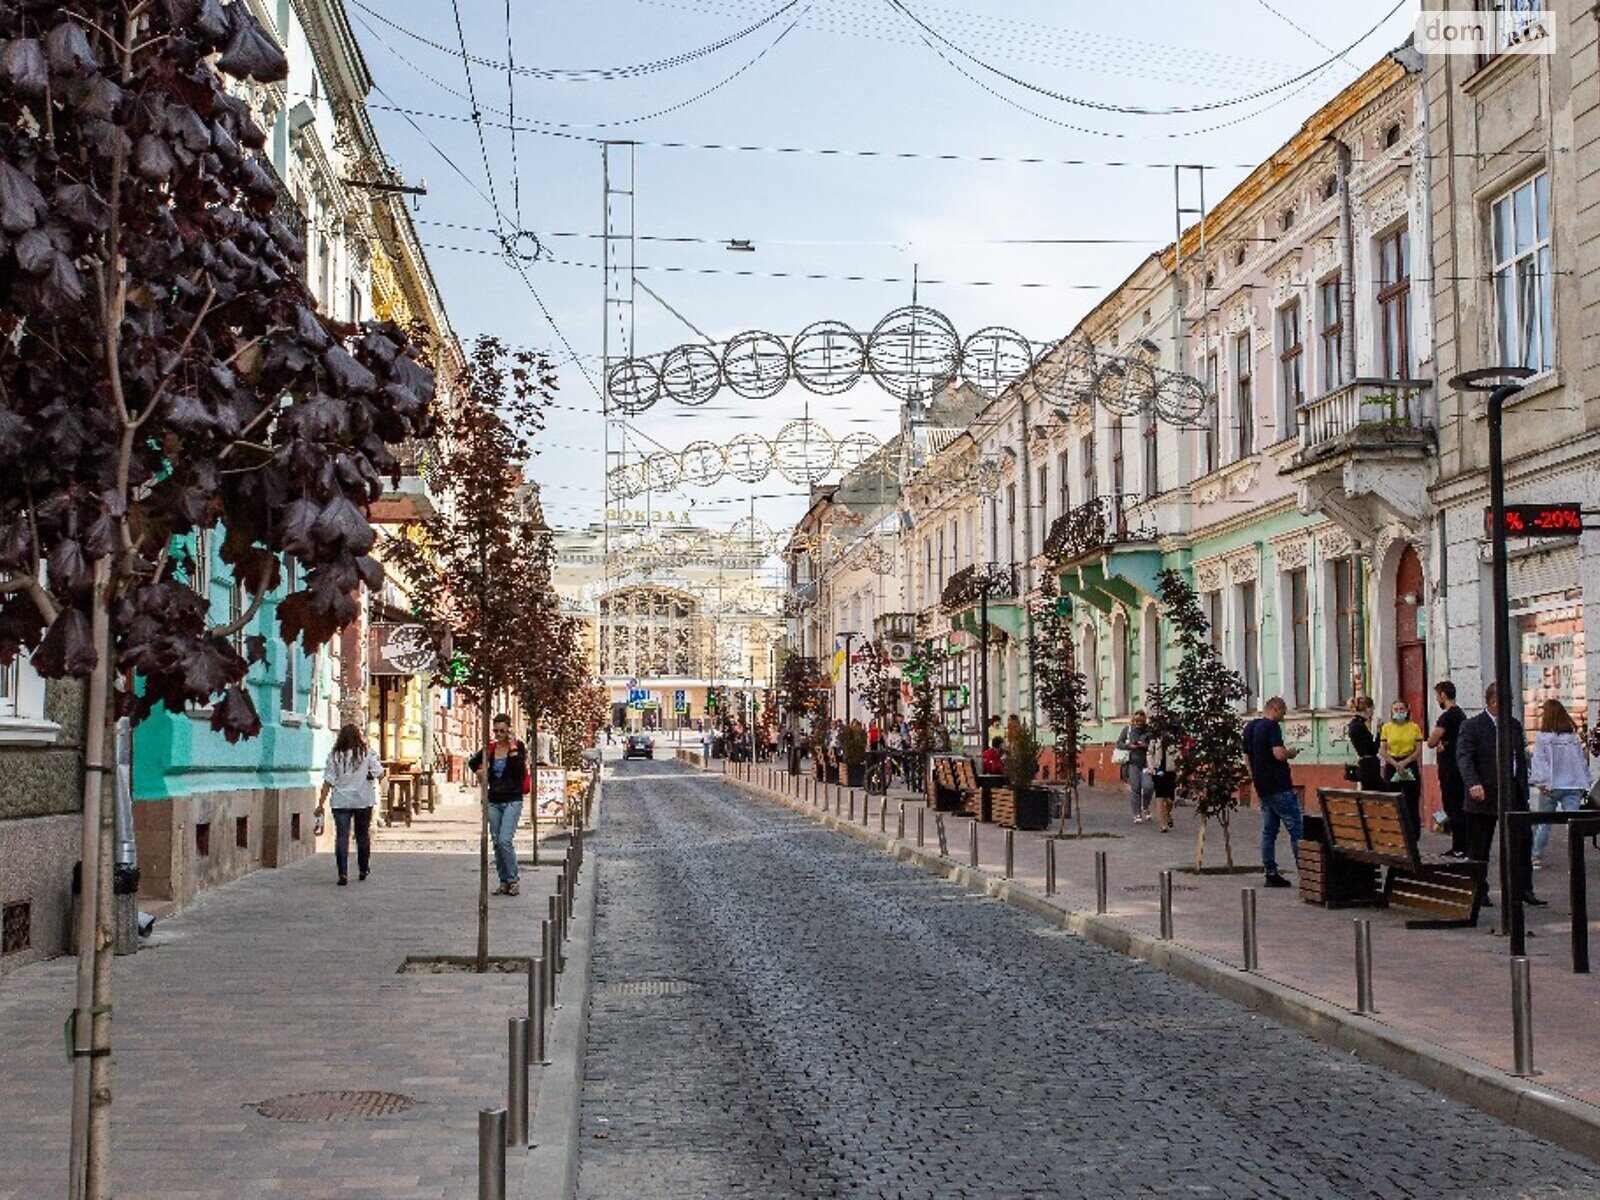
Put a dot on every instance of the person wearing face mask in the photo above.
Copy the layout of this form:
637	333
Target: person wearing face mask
1400	748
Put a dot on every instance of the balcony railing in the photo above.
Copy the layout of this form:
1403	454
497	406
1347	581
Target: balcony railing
971	584
1375	411
1098	525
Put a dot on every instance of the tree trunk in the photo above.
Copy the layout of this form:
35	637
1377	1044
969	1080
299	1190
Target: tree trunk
533	796
485	741
1200	845
91	1027
1227	836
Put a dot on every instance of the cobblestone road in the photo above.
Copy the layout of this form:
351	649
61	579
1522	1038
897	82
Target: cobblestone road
778	1012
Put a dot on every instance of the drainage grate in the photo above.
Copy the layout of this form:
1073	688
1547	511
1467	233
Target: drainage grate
333	1106
16	927
649	987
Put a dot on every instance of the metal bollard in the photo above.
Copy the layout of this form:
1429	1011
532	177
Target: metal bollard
921	813
944	842
491	1154
1522	1017
1011	853
547	952
517	1082
555	932
972	844
852	817
883	814
1050	867
838	800
536	1011
1166	906
900	823
1100	882
1247	897
1364	966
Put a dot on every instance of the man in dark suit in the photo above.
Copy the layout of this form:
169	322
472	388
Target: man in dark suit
1476	757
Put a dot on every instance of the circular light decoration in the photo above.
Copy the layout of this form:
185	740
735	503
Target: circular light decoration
1113	388
691	375
994	358
661	471
828	358
634	386
625	481
803	451
751	533
854	449
703	464
749	458
1065	376
756	365
911	348
1182	399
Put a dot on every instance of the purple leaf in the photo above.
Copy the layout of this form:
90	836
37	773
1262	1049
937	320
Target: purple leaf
342	524
235	716
23	68
71	570
251	54
67	47
78	205
68	647
35	252
21	203
153	159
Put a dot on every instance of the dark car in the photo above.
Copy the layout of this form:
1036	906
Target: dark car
639	745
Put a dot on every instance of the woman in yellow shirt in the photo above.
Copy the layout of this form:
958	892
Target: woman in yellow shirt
1400	747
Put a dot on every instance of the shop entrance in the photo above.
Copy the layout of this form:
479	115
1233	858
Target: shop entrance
1410	636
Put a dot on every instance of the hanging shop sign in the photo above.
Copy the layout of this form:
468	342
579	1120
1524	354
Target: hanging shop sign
400	649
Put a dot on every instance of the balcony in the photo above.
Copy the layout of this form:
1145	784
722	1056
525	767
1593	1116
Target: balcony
994	586
1366	454
412	501
1105	553
1096	526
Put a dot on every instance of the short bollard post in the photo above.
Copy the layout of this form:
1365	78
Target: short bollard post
838	800
1166	906
491	1154
1522	1017
944	841
883	814
1050	867
1247	897
1100	882
852	817
536	1011
1364	966
1011	853
517	1082
972	843
921	813
555	932
547	953
900	823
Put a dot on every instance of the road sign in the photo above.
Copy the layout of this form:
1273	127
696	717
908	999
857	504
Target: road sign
680	700
637	694
1538	520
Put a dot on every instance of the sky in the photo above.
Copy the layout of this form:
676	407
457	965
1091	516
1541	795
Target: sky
912	160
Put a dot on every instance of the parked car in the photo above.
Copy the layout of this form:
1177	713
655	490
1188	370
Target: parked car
639	745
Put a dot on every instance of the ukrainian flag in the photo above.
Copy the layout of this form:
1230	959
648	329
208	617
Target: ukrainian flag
838	658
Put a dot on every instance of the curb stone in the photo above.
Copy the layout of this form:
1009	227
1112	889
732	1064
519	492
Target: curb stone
1562	1120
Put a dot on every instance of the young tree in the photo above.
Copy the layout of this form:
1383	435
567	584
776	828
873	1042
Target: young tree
800	699
923	671
880	685
1063	693
1202	709
475	571
163	368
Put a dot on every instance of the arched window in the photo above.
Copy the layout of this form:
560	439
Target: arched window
1089	665
1121	662
1149	650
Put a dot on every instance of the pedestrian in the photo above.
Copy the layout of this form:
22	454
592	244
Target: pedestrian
1476	755
994	758
347	779
504	762
1133	743
1559	770
1442	741
1274	783
1163	779
1400	747
1367	773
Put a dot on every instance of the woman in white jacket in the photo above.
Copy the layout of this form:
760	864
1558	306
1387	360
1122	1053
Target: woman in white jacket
1558	771
348	778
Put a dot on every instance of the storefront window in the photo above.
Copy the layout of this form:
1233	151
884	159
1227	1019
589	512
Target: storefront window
1551	644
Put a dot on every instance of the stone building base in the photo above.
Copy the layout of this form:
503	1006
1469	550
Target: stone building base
36	857
190	843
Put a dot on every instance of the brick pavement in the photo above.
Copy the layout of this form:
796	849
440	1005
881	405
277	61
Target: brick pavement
779	1011
1450	987
277	984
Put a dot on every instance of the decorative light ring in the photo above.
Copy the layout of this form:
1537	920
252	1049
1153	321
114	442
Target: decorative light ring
994	358
749	458
1065	375
1182	399
828	358
854	449
634	385
691	375
911	347
755	365
703	464
804	452
625	481
1113	387
662	470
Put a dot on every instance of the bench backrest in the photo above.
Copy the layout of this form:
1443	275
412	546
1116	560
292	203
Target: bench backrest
941	773
1372	824
965	775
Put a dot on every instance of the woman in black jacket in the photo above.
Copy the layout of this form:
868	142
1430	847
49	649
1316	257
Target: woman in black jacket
506	766
1369	767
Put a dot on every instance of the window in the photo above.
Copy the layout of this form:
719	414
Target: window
1299	639
1523	285
1212	602
1011	522
1286	219
1249	644
1394	303
994	531
1152	457
289	688
1330	326
1086	458
1063	483
941	560
1043	503
1291	369
1211	436
1343	603
1118	472
1330	187
1391	136
1515	21
955	545
22	717
1244	411
200	564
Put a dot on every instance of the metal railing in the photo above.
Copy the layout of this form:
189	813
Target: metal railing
1099	524
1379	409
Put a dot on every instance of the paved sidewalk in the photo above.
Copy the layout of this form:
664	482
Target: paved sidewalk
1449	987
279	984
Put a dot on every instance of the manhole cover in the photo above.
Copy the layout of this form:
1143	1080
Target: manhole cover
650	987
333	1106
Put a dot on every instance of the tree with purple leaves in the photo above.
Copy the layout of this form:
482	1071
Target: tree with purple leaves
163	370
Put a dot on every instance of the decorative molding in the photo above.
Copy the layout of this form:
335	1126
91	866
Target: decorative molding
1208	576
1386	205
1246	478
1237	315
1335	543
1293	554
1209	492
1325	252
1245	566
1297	731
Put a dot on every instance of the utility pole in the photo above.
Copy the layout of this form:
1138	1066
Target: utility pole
849	636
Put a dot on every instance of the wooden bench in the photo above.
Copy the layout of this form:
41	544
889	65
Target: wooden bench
1375	828
954	786
974	796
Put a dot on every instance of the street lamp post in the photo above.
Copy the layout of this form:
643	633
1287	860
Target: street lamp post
1501	383
849	636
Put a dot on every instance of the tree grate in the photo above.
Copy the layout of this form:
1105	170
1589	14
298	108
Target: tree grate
333	1106
649	987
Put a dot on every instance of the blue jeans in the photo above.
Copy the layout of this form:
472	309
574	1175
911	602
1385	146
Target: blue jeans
503	818
342	820
1555	800
1279	808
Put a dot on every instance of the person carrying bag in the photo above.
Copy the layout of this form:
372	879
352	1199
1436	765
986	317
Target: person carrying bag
504	762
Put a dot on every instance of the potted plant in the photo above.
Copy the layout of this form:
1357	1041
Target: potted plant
1022	769
853	748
